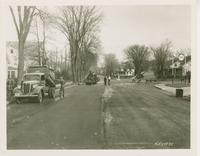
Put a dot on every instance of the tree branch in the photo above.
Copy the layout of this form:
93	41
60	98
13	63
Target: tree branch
20	17
15	22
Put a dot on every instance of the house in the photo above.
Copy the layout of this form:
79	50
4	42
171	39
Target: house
12	60
125	73
12	57
180	68
186	67
126	69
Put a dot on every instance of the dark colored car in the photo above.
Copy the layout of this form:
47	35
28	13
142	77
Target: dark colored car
92	78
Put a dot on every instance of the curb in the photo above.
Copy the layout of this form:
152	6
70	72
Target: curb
162	87
158	87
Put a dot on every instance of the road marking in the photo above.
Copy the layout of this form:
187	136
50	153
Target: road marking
108	92
106	115
108	118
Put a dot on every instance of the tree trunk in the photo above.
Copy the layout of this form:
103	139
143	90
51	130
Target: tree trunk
44	49
72	64
21	60
38	44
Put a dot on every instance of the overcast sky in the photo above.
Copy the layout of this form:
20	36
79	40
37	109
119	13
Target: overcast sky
126	25
149	25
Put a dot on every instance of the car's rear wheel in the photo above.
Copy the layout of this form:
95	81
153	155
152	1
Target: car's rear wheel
51	92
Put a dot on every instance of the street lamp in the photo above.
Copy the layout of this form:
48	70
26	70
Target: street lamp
182	57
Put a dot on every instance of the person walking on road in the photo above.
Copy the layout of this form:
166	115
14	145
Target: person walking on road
188	75
105	80
109	79
62	88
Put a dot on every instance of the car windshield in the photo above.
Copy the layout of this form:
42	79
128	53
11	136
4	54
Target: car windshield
31	77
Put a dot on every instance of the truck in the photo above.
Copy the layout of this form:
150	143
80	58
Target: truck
91	79
37	82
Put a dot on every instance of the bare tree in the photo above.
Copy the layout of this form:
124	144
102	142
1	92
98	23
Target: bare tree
25	16
41	21
76	23
161	55
138	55
35	31
44	18
111	64
89	54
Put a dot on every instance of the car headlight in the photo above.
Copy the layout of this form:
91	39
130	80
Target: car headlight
18	86
17	89
34	86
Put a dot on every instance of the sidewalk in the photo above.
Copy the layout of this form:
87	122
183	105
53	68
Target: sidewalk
68	83
172	90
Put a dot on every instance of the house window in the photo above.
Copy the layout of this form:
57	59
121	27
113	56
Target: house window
12	74
8	74
11	51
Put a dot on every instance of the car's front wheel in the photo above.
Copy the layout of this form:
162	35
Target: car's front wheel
40	97
18	101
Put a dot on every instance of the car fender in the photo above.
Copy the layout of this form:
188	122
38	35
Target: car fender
38	89
17	90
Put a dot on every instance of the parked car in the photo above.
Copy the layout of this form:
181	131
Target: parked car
92	78
38	81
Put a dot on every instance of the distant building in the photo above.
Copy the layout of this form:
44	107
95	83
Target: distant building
126	72
129	72
12	59
186	67
180	68
126	69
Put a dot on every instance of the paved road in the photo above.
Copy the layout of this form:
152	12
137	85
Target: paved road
73	122
125	115
141	116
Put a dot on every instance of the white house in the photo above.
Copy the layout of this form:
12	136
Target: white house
12	57
186	67
129	72
181	67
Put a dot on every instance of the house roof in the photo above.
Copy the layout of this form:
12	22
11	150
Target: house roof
28	44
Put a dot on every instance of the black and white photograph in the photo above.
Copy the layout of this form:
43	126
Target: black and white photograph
98	77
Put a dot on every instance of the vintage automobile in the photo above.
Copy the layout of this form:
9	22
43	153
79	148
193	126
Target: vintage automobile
137	78
35	84
91	78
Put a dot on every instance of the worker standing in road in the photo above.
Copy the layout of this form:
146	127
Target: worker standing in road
105	80
109	79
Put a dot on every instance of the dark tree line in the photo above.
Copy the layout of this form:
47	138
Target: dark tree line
80	24
161	55
139	55
111	64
